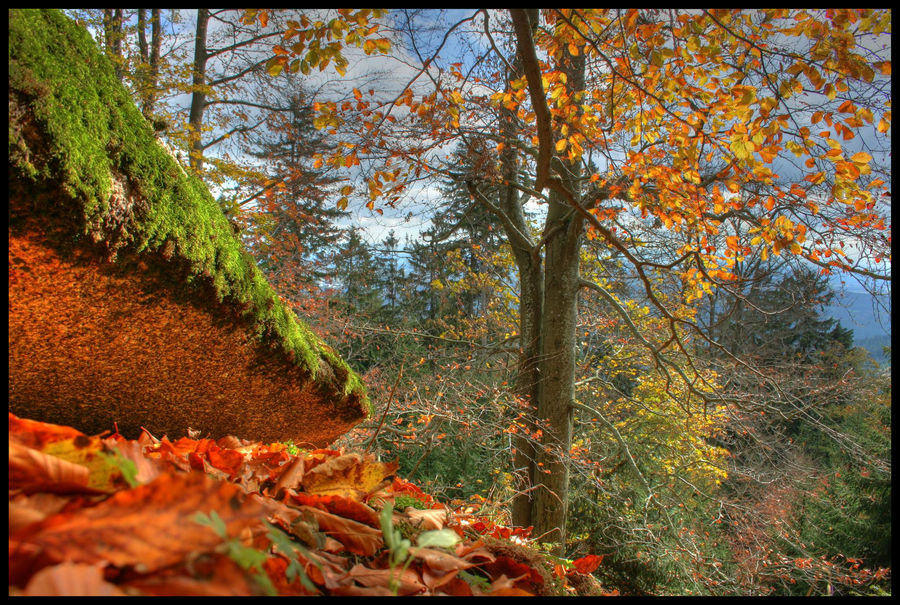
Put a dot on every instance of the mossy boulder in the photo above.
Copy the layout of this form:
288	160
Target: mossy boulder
132	302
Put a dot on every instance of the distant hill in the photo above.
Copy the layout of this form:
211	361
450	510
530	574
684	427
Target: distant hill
871	324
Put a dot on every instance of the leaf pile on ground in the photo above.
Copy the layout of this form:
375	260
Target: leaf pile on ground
105	515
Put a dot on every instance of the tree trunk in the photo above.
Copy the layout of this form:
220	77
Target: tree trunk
531	300
198	98
112	31
149	60
557	374
563	232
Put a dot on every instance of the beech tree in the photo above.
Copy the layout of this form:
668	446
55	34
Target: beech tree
729	131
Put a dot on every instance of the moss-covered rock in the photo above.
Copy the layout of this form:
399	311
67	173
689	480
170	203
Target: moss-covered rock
131	299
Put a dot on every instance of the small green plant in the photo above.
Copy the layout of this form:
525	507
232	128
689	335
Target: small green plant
404	501
249	559
397	545
292	449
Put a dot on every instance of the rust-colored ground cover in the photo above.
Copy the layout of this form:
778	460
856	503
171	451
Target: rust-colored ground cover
97	345
93	516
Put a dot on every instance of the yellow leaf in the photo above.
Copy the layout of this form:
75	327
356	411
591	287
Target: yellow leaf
350	475
561	145
861	158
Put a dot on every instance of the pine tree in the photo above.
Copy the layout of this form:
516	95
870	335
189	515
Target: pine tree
297	227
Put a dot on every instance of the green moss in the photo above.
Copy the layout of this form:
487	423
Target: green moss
89	130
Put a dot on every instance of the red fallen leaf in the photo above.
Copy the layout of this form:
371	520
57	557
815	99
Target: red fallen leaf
588	563
71	580
197	462
150	527
226	460
36	434
337	505
271	460
358	538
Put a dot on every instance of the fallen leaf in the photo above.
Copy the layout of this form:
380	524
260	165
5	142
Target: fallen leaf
426	519
505	587
26	509
291	476
210	575
32	471
36	434
338	505
225	460
407	580
71	580
439	560
358	538
349	475
149	527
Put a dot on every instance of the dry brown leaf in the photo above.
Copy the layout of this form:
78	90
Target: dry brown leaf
27	509
356	537
290	477
408	582
32	471
147	469
426	519
505	587
438	560
149	527
71	580
212	575
36	434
